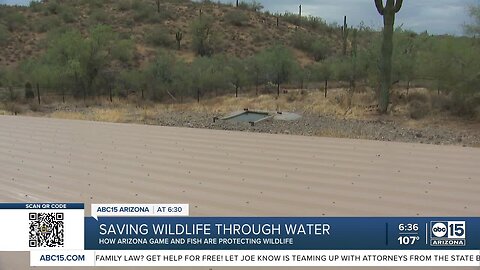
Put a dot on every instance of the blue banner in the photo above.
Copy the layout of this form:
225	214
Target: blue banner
281	233
42	206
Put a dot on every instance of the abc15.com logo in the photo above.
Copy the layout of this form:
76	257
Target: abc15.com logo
448	233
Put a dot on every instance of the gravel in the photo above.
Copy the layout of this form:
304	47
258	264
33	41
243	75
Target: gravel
318	125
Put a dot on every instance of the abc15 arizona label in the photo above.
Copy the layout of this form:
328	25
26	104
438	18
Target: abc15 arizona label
448	233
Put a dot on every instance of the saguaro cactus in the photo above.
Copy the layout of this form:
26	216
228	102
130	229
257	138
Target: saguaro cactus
354	61
298	21
353	72
345	32
388	12
179	37
354	42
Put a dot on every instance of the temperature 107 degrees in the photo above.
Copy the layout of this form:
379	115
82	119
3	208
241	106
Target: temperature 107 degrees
408	240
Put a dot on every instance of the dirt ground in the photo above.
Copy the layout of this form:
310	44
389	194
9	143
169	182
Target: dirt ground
229	173
326	117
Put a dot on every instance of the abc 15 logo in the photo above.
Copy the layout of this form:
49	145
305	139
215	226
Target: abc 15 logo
448	229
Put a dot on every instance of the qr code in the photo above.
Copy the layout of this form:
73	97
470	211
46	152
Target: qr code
46	230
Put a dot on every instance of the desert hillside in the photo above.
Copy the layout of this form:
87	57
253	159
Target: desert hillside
68	56
243	31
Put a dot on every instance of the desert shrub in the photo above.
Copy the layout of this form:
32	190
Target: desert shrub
415	96
310	22
441	102
4	35
253	5
137	5
313	23
418	109
11	94
259	37
302	40
124	35
160	75
128	22
205	40
123	50
54	34
98	16
143	14
466	97
14	108
46	24
53	7
465	105
320	49
94	3
147	13
291	18
68	14
29	91
237	18
293	96
167	13
36	6
159	36
14	21
124	5
35	107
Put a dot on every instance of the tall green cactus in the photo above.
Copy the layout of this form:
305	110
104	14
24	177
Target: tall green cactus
179	37
354	60
299	20
345	32
388	12
353	71
354	43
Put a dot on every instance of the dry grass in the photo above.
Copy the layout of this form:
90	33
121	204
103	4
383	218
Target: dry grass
294	101
115	115
300	101
313	102
304	102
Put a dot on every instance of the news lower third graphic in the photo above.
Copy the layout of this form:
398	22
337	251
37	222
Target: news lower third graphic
59	234
46	229
448	233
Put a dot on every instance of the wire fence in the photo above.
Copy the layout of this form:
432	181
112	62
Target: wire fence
49	95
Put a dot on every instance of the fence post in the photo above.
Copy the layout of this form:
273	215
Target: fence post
38	93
